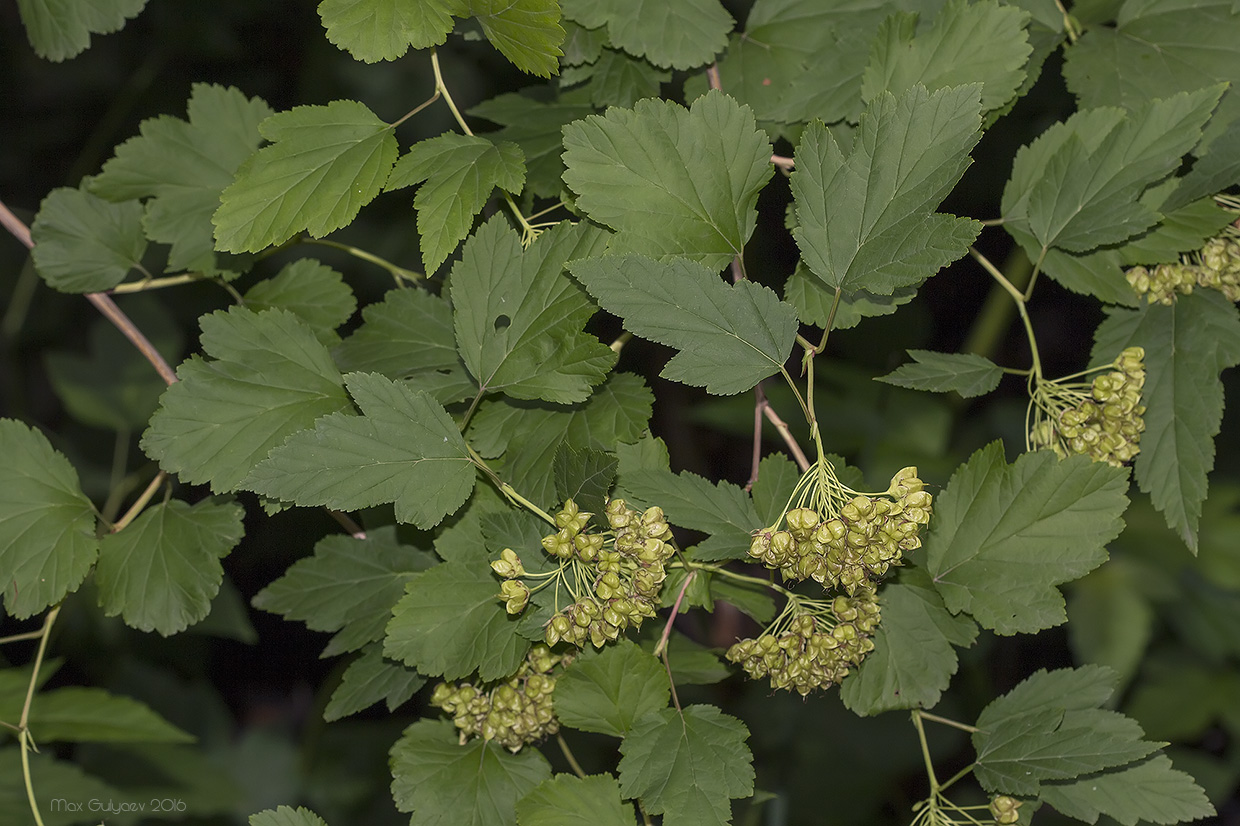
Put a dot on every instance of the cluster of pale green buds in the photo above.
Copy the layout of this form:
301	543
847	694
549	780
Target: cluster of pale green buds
1004	810
623	578
1104	423
815	647
512	712
854	547
1215	266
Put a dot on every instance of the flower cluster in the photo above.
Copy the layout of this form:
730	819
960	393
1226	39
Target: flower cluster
614	585
814	646
851	547
1103	420
512	712
1216	266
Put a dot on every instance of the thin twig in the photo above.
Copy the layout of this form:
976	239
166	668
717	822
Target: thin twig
355	530
15	225
784	431
712	77
568	755
783	162
759	402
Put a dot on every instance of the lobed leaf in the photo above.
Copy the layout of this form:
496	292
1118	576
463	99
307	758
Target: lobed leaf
609	691
670	180
527	32
404	449
567	800
1150	791
286	816
535	125
729	338
722	510
584	475
84	244
369	679
91	715
47	525
374	30
968	374
444	783
866	220
677	34
162	571
312	291
406	335
323	165
1003	536
61	29
270	378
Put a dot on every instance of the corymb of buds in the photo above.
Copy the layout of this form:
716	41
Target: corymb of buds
1215	266
842	538
1103	419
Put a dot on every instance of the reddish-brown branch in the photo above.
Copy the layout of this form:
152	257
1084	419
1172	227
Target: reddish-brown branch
785	432
783	162
101	301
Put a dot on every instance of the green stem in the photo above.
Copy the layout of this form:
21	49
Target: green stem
568	755
155	283
1019	298
934	718
399	273
925	753
724	572
23	724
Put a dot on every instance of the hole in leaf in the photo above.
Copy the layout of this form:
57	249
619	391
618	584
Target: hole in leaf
502	321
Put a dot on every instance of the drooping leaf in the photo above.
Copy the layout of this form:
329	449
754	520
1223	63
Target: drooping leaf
451	622
584	475
913	660
609	691
1186	346
1215	171
313	292
269	378
323	165
729	338
1086	195
527	32
444	783
519	317
84	244
1003	536
404	449
286	816
162	571
1150	791
61	29
47	525
534	124
567	800
979	43
813	301
374	30
617	413
182	166
677	34
460	173
866	220
686	765
349	585
671	181
92	715
968	374
1050	728
369	679
722	510
408	333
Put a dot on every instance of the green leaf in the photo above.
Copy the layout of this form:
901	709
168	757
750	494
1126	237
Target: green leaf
968	374
567	800
404	449
286	816
777	478
722	510
47	525
615	78
1215	171
1158	48
729	337
313	292
867	220
1110	620
1049	728
980	43
584	475
444	783
611	690
1086	196
451	622
323	165
460	173
692	664
671	181
51	779
535	126
60	29
813	301
686	765
1186	346
1003	536
408	333
92	715
677	34
349	585
84	244
519	318
527	32
374	30
163	570
617	413
183	166
270	378
913	660
369	679
1150	791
